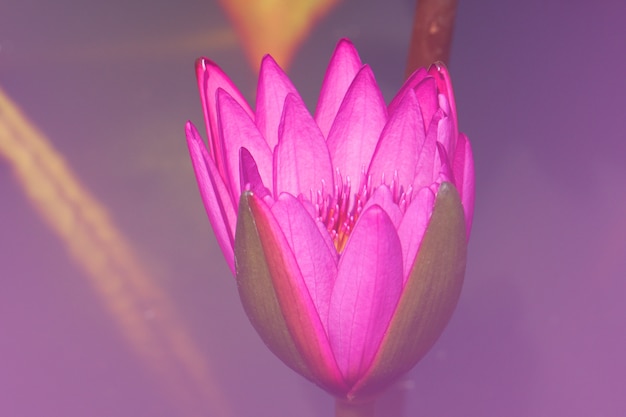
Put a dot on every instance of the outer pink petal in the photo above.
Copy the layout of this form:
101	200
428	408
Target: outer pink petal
367	290
343	67
463	168
397	150
357	127
413	226
411	82
301	159
316	262
239	131
428	298
215	195
294	298
210	78
272	89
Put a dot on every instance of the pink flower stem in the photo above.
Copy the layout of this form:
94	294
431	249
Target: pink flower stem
349	409
432	33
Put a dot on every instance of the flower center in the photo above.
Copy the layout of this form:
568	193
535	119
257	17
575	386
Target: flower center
338	212
340	209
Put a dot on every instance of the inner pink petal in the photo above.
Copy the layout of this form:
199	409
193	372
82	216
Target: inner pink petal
273	88
357	127
424	170
249	174
426	92
397	151
302	162
384	198
444	84
239	131
343	67
413	80
413	226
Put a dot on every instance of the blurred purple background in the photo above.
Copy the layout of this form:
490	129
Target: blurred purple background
540	327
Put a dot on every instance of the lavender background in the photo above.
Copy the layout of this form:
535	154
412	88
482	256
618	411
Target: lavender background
540	327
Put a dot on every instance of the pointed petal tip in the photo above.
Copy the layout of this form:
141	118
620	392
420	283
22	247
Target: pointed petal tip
345	46
345	51
201	63
189	127
192	134
204	66
440	72
344	41
268	62
439	67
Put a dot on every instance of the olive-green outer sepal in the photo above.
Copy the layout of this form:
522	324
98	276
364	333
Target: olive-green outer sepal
257	293
429	297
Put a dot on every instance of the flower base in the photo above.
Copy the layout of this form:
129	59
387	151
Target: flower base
345	408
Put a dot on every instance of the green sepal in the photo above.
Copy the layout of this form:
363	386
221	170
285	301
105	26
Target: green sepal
257	292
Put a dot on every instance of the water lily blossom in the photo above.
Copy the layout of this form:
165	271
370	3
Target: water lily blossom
347	231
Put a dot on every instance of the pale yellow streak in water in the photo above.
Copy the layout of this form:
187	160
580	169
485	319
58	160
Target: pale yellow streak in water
276	27
141	309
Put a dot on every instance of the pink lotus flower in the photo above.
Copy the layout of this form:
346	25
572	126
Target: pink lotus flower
347	231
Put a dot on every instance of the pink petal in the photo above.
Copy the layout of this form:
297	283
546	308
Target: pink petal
441	75
357	127
249	174
428	298
446	134
316	261
463	167
446	141
397	150
210	78
343	67
312	210
410	84
272	89
215	194
239	131
294	298
368	286
302	162
424	170
426	92
383	197
443	169
413	226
